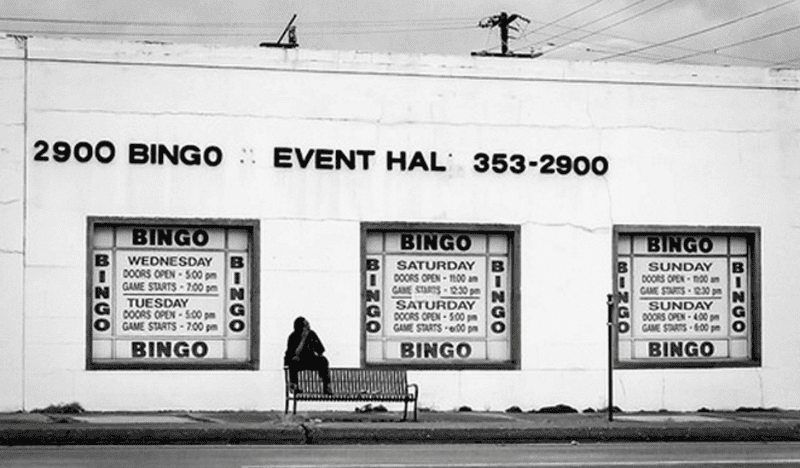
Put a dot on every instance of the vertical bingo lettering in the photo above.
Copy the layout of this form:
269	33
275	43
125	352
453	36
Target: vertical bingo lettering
372	295
624	296
101	293
738	296
237	294
498	300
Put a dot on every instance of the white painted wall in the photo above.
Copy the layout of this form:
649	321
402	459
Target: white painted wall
687	145
12	201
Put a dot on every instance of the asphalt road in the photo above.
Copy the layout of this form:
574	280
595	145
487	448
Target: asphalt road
411	456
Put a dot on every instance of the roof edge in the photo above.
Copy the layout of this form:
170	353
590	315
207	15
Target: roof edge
425	65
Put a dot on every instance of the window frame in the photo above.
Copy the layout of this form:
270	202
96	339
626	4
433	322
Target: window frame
753	237
514	257
253	227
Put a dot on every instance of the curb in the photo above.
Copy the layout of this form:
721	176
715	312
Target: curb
337	435
100	435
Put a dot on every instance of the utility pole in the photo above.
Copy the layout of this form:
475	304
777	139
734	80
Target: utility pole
290	29
504	21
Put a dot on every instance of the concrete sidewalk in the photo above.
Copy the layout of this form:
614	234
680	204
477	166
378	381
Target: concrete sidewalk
328	427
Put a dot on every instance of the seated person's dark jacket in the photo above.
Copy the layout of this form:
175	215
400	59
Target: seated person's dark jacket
313	347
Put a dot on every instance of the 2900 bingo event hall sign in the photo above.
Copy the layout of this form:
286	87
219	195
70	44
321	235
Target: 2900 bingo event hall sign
170	295
437	298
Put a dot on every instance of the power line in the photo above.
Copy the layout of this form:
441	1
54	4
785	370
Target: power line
225	24
133	34
596	49
225	34
619	10
558	20
469	20
630	39
240	28
130	23
389	31
387	27
572	45
746	41
702	31
665	2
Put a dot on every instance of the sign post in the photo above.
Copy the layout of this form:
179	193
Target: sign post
611	302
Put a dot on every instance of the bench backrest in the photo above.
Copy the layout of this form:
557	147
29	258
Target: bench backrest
357	381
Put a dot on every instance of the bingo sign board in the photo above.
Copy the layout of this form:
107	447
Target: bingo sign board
170	296
437	299
685	299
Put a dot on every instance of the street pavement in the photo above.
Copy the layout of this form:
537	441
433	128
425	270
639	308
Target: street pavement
613	455
432	427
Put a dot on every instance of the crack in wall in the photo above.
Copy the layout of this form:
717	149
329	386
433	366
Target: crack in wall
591	230
381	121
610	210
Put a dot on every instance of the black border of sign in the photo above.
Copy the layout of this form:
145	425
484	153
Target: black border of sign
753	234
254	226
513	230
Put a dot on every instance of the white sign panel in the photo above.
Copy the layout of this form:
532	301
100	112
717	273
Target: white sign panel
435	298
170	294
683	298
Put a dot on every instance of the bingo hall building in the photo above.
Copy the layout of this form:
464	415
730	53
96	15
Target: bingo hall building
166	211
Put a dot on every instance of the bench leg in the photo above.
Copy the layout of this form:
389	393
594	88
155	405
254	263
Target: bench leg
405	410
294	408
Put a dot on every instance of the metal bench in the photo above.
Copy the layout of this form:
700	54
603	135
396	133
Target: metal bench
354	384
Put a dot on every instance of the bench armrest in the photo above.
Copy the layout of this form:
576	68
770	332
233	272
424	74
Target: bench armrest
415	387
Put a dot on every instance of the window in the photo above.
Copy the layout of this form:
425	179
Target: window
687	297
440	295
172	294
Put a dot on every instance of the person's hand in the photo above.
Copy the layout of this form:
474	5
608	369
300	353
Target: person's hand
295	358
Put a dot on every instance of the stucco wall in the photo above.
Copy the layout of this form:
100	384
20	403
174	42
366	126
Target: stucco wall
12	201
686	145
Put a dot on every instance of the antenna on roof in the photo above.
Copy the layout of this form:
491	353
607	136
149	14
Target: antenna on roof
504	22
290	29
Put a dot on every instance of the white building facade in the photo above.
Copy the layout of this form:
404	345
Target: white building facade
166	212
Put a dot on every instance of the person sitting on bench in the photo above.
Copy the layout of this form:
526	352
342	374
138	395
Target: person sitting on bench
304	352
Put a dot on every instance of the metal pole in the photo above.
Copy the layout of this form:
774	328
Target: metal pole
287	28
504	33
610	302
